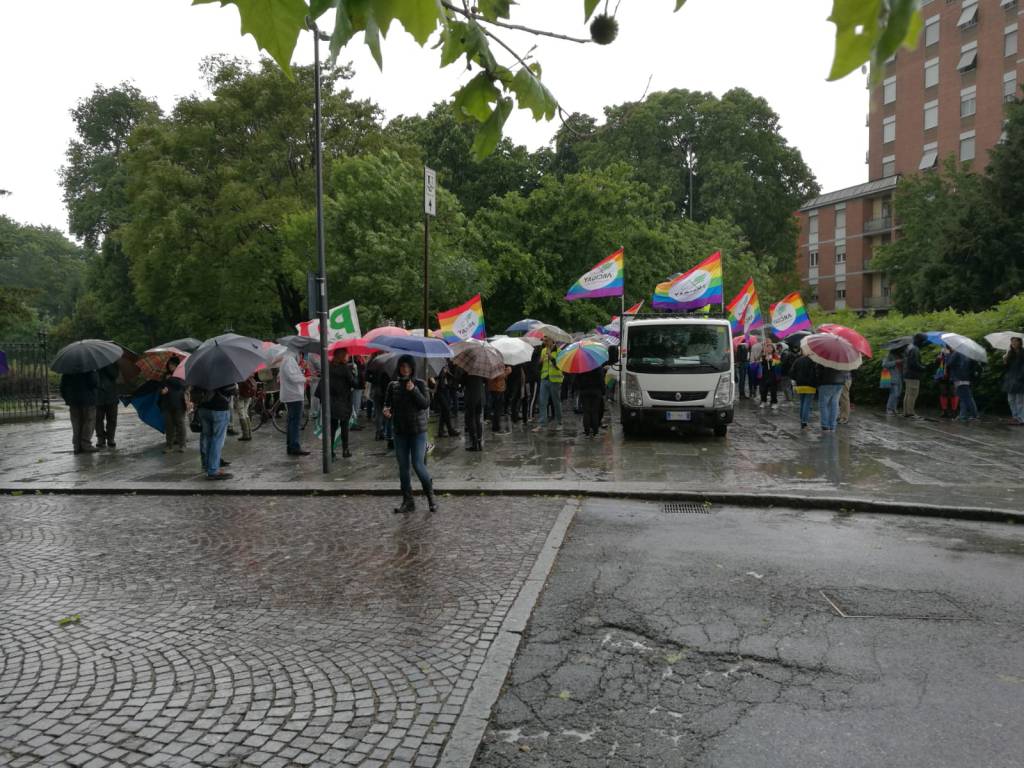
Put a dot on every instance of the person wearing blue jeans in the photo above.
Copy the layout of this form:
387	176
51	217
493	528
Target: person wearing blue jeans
805	377
959	366
214	414
551	378
406	403
830	388
968	408
293	395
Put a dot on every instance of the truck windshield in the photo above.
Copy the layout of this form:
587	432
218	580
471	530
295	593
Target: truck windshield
677	348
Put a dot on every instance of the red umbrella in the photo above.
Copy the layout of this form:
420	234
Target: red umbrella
831	351
354	347
385	330
859	342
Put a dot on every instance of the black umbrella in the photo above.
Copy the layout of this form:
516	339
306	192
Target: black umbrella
300	343
899	343
793	340
86	355
188	344
224	360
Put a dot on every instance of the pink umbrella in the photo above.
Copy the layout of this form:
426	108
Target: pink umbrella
354	347
385	330
856	340
831	351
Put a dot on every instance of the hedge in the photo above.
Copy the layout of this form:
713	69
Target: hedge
878	329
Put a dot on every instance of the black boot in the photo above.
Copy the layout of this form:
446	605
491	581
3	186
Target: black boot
407	505
431	498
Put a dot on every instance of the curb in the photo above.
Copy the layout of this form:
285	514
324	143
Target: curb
847	505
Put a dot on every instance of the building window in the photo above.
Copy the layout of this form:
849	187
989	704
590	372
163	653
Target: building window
888	165
889	90
813	259
929	156
841	256
968	57
966	146
968	101
931	73
968	16
889	129
841	291
931	114
840	221
1004	3
931	31
1010	41
1009	86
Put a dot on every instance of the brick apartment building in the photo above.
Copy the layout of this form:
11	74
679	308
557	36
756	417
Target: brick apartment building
945	97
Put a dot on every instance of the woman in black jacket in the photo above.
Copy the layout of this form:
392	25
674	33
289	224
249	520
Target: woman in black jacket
1013	380
344	381
173	407
804	373
405	404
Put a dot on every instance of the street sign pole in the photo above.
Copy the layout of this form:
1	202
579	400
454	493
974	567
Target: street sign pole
429	209
325	384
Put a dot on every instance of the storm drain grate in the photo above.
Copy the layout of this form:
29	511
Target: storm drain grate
685	508
875	603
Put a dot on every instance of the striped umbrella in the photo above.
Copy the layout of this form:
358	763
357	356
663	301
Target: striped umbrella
152	363
582	356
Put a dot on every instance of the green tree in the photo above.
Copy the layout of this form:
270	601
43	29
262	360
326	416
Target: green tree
728	150
866	31
538	245
211	187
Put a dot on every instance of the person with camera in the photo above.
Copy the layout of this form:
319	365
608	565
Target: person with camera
406	403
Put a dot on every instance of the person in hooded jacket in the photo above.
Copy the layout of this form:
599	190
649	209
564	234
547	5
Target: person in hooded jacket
344	382
960	371
804	372
407	404
913	370
79	391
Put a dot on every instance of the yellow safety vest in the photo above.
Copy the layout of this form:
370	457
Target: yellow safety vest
548	370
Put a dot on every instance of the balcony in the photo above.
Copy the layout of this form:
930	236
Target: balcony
868	267
874	226
877	302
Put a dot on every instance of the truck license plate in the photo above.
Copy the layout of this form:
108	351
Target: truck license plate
678	415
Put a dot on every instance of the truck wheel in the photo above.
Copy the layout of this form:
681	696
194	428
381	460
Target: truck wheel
721	429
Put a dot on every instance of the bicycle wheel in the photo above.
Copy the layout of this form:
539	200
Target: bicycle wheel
279	415
257	414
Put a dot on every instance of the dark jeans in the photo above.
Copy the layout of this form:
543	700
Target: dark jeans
474	422
174	427
530	391
592	407
497	410
769	386
443	406
741	379
106	423
294	424
411	450
83	422
342	424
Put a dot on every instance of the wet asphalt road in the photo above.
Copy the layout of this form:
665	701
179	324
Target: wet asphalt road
707	640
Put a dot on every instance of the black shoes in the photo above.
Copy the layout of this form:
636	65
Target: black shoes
300	452
407	505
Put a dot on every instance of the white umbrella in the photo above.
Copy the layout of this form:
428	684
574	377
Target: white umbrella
513	351
1001	339
831	351
552	332
967	347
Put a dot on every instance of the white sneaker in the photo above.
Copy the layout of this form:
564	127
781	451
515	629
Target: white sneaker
775	406
760	405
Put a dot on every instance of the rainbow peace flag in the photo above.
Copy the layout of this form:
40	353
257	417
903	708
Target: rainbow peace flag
789	316
885	380
463	322
605	279
737	309
693	289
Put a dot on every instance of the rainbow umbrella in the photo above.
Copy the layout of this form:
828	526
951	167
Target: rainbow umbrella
582	356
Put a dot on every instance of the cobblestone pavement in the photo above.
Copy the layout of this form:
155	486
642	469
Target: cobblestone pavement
874	457
249	631
707	641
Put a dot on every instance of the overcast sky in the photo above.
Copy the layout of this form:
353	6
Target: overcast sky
780	50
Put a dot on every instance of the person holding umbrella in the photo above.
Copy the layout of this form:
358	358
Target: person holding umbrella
106	405
343	383
172	406
293	395
406	403
78	363
214	413
912	372
444	394
551	378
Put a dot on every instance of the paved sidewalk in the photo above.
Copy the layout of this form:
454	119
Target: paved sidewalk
256	632
873	459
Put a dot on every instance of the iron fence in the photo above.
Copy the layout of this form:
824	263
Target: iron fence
25	385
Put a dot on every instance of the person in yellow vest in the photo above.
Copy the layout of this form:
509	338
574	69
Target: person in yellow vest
550	384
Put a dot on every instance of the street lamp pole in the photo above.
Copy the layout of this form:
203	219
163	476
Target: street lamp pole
321	278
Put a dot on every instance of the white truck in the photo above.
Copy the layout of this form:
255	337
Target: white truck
676	370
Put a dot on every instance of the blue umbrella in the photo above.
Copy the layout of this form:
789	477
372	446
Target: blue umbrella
935	337
524	325
417	346
146	402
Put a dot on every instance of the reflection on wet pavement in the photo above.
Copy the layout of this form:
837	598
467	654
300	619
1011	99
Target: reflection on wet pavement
876	457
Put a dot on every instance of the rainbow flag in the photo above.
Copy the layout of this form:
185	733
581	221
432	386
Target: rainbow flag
463	322
737	308
885	380
789	316
693	289
635	309
605	279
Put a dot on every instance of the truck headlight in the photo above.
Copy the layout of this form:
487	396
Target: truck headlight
631	393
723	393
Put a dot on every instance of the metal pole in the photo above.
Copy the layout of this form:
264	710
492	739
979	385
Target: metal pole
321	279
690	166
426	273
